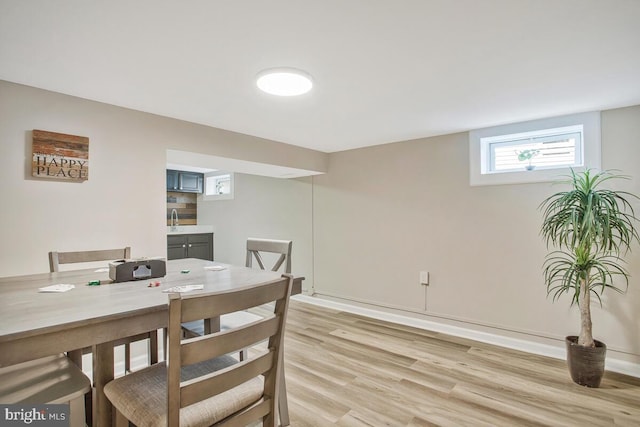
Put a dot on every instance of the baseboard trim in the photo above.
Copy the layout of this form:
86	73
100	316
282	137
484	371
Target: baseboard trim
556	352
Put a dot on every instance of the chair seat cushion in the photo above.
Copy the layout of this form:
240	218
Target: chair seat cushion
142	395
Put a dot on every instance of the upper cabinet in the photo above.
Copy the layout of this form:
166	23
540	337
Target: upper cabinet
172	180
190	182
186	182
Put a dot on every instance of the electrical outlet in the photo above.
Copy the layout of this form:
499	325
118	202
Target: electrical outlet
424	278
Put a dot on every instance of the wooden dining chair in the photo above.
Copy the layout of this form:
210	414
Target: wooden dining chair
48	380
256	248
58	258
260	250
202	384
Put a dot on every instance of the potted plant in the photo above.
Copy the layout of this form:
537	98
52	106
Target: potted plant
592	228
528	154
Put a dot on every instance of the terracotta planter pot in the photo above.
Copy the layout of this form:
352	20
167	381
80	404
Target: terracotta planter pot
586	364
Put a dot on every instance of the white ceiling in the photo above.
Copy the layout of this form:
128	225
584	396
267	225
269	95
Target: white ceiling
384	70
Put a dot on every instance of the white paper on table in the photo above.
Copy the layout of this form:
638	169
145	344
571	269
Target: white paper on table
102	270
215	267
184	288
56	288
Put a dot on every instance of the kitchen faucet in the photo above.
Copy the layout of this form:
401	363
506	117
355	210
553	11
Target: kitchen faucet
174	224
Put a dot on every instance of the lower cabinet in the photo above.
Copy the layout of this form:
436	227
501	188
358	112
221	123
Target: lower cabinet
190	246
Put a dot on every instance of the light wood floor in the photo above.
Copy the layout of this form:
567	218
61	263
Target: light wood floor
347	370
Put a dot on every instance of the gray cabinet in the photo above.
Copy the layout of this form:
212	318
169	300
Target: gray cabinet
186	182
190	246
172	180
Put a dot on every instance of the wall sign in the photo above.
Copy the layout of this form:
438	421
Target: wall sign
60	156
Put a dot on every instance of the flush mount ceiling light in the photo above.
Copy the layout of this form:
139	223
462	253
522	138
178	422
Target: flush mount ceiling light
284	81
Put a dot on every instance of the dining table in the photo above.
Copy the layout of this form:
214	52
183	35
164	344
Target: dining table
36	324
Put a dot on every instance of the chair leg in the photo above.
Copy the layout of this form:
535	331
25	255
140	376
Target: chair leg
77	416
283	404
121	420
88	407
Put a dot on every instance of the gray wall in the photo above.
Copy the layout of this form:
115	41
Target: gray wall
379	216
263	207
384	213
124	200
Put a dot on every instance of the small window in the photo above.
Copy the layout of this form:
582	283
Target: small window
218	186
543	149
535	151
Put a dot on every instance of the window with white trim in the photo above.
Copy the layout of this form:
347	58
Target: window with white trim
536	151
218	186
540	149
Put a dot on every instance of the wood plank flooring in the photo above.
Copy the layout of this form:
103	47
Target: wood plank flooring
346	370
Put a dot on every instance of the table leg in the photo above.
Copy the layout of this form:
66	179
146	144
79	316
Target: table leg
153	347
211	325
102	373
76	357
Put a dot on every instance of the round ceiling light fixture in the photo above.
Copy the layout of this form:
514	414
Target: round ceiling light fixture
284	81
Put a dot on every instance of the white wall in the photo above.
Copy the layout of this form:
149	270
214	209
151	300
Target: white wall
124	200
263	207
384	213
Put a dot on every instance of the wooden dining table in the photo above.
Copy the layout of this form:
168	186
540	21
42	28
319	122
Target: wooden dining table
35	324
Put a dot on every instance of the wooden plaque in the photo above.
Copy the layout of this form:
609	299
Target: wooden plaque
60	156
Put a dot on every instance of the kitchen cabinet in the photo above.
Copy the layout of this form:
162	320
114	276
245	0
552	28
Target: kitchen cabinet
172	180
186	182
190	246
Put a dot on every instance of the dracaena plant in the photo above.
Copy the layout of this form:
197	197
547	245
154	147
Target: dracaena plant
592	229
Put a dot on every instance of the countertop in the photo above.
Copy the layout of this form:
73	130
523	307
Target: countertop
189	229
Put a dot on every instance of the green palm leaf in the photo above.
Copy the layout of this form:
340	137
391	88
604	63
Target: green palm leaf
592	228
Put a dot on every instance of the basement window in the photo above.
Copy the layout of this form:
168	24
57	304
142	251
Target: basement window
541	149
536	151
218	186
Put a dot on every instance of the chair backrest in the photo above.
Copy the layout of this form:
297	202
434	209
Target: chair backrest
57	258
189	351
282	247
